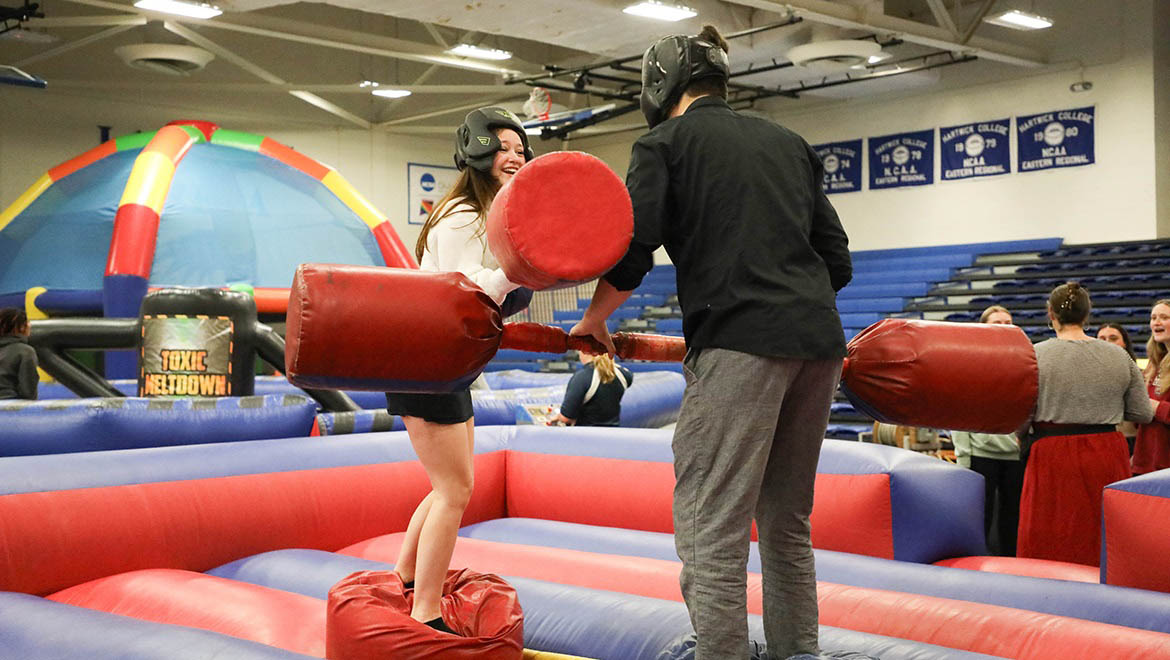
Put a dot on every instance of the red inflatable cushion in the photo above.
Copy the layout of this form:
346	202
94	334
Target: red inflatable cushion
387	329
960	376
368	618
563	219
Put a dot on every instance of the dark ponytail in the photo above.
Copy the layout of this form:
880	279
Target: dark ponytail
710	34
1070	304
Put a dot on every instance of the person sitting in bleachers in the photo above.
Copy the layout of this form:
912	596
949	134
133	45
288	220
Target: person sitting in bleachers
996	457
593	396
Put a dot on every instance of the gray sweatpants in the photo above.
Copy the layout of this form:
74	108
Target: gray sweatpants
746	445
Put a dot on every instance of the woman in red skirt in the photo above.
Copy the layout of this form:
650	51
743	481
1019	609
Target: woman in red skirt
1072	447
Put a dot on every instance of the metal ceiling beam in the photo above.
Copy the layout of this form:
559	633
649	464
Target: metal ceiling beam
977	20
84	41
90	21
943	16
449	109
847	16
253	88
263	74
319	35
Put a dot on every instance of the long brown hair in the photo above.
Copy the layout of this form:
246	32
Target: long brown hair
1158	367
473	188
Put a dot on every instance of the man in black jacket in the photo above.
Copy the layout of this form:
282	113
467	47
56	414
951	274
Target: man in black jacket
760	253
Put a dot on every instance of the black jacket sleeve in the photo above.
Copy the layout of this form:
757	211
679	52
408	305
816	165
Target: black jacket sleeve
648	183
827	236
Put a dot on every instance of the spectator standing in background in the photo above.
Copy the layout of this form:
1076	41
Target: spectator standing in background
1152	449
997	457
1071	444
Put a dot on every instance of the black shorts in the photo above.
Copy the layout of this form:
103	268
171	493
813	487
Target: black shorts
450	408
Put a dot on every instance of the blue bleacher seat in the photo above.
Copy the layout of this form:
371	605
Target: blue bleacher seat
668	325
962	317
860	320
871	305
896	290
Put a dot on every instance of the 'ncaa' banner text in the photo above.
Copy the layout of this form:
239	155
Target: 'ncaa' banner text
1063	138
842	161
903	159
979	149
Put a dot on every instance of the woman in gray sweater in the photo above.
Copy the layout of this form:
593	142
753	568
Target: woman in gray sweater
1071	445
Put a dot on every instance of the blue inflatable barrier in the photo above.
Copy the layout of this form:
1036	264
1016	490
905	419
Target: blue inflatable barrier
1135	608
652	401
561	618
65	426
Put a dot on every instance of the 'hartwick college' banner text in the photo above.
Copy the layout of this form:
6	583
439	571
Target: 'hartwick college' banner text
903	159
978	149
842	161
1062	138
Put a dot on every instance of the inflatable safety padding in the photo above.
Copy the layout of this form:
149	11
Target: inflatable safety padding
563	219
563	618
80	425
368	618
260	614
961	376
1135	539
387	329
32	628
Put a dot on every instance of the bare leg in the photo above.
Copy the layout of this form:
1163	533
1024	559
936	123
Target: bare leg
408	553
445	452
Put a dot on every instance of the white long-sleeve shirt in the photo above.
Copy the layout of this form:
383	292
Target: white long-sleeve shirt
453	246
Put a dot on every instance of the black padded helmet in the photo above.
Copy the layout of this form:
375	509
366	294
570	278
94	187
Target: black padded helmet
670	65
476	143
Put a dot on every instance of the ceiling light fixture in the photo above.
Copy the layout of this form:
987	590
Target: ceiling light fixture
660	11
1019	20
188	9
391	93
467	50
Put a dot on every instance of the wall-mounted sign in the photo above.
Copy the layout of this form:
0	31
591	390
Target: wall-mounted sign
973	150
426	185
902	159
1062	138
842	161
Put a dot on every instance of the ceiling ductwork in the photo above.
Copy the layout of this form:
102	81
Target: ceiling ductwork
835	53
171	59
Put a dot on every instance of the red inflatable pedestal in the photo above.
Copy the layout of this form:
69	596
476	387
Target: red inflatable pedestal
368	618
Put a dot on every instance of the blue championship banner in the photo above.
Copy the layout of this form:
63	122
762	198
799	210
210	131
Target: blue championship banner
425	186
842	161
1063	138
979	149
903	159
